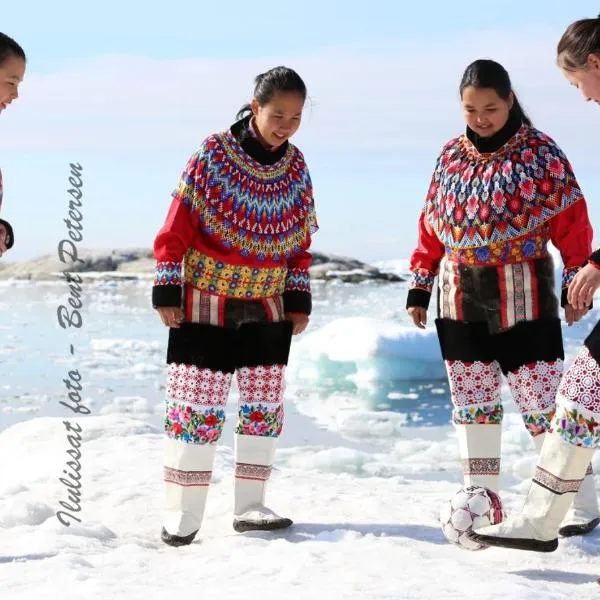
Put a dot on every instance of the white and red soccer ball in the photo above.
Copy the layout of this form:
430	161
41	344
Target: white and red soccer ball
472	507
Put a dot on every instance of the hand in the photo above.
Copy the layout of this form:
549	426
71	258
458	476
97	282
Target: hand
419	316
299	322
584	285
171	316
572	315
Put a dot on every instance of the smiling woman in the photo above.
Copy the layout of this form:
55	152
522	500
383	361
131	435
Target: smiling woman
563	467
488	98
499	194
12	71
241	222
276	108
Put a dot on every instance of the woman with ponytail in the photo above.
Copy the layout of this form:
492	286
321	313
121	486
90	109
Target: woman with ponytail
232	285
499	194
562	472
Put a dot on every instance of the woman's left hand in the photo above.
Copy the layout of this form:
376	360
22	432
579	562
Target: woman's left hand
299	322
584	285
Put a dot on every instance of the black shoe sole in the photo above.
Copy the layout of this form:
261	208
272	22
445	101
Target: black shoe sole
177	540
515	543
243	526
573	530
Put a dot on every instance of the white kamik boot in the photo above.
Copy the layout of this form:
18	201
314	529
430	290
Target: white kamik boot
560	470
254	457
584	514
187	473
479	446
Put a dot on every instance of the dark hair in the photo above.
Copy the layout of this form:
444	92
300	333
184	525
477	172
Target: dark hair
580	39
266	85
485	73
9	48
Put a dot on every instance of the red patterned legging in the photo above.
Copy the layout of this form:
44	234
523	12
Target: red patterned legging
475	391
196	400
577	418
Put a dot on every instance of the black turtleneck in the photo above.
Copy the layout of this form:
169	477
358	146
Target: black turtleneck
494	142
253	147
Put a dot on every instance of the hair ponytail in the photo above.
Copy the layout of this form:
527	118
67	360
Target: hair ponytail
517	111
245	110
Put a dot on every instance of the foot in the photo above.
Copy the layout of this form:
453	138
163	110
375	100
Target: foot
177	540
260	519
583	515
516	533
583	527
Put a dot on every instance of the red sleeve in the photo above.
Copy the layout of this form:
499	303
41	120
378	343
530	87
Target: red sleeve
297	297
298	277
571	232
177	233
425	260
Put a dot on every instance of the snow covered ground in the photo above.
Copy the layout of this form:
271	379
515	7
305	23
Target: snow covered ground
366	459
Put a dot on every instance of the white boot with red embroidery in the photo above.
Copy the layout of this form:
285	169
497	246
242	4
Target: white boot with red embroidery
187	474
254	459
479	446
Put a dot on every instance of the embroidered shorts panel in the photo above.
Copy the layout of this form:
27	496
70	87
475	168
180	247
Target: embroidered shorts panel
501	296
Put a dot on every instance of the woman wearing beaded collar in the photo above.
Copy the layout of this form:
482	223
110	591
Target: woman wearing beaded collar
241	222
499	194
574	434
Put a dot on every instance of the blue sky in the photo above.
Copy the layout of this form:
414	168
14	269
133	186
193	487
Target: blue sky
129	91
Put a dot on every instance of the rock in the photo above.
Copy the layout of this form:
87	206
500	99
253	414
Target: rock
128	263
49	266
349	270
140	265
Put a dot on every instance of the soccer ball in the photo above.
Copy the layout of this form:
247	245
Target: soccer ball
471	507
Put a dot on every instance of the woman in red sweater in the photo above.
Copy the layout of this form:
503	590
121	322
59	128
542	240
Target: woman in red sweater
499	194
232	284
574	433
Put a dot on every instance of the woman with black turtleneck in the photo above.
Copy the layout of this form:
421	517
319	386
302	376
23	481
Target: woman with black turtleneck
498	195
232	285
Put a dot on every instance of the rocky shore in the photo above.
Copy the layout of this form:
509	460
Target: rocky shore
138	262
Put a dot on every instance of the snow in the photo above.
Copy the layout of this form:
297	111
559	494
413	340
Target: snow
366	461
362	530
